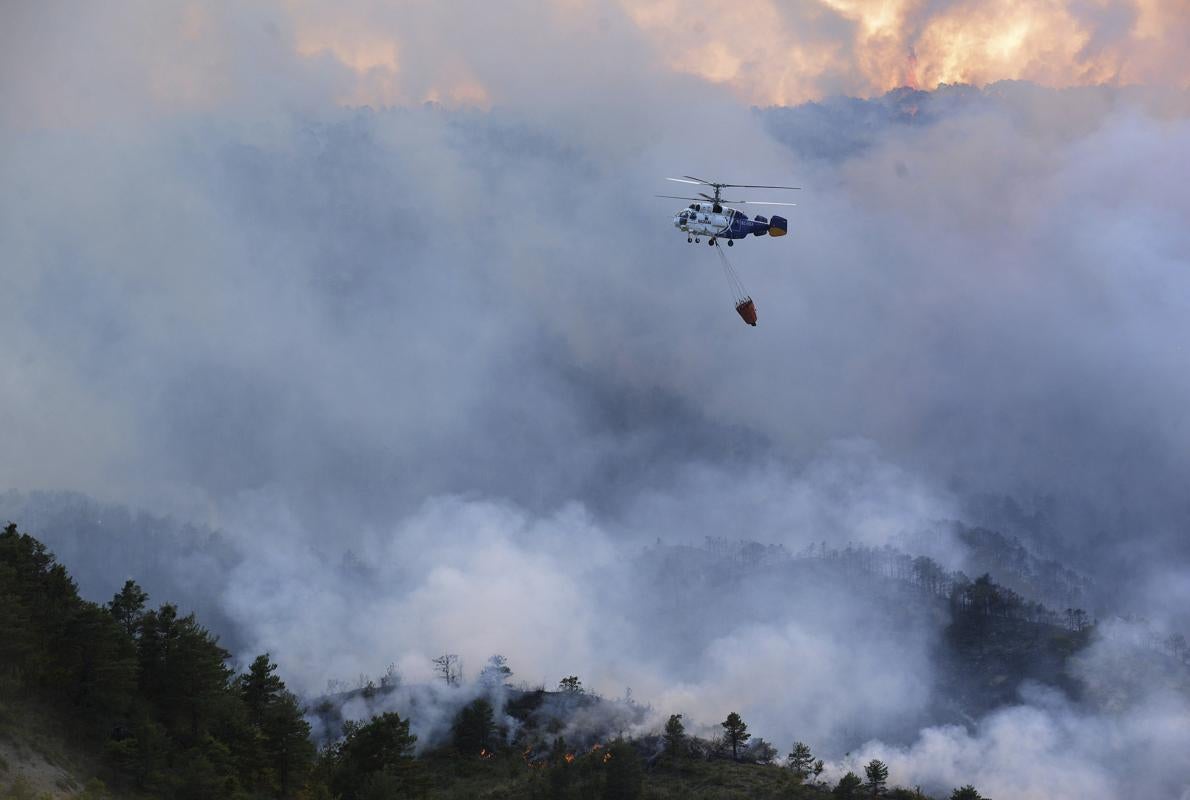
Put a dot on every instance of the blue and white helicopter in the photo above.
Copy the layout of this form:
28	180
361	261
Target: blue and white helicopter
711	217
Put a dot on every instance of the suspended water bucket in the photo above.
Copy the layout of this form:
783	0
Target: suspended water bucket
747	311
743	301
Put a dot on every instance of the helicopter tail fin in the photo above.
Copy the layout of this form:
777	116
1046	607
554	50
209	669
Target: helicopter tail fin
778	226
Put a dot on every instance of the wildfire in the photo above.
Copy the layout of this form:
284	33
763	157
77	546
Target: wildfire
908	43
596	746
569	758
607	757
486	753
911	70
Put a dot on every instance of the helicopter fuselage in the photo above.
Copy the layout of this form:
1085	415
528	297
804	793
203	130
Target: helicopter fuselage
720	222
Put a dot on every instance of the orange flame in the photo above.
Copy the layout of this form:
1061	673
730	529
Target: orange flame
607	757
569	758
896	43
911	70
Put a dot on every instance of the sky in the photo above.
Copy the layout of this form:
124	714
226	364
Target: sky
390	277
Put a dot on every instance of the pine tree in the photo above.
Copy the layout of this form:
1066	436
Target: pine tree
675	736
571	685
848	787
182	671
475	728
967	793
287	742
279	753
877	776
17	642
800	760
380	750
128	606
259	687
735	732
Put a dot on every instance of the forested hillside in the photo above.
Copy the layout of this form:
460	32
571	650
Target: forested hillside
144	702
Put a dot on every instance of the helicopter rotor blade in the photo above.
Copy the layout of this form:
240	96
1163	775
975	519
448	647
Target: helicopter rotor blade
700	180
756	203
676	197
754	186
683	180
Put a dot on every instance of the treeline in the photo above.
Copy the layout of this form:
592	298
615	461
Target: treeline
185	563
802	766
151	691
980	596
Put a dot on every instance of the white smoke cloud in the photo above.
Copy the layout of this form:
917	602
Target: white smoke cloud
1050	748
559	595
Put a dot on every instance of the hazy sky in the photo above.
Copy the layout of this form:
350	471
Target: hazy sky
230	291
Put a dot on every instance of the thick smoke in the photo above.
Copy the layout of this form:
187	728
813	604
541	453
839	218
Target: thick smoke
1129	738
461	343
562	595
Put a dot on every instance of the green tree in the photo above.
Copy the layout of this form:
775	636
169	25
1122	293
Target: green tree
901	793
571	685
735	732
801	760
182	671
153	687
206	770
47	600
675	737
382	746
128	606
259	688
98	665
475	727
876	772
140	755
967	793
277	753
18	645
625	773
287	743
848	787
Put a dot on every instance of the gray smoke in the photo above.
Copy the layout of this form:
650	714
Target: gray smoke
467	347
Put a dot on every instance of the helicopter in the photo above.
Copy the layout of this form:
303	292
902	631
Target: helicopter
711	216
